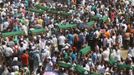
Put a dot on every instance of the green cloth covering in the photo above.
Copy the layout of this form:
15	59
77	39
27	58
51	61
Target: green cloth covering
124	66
7	34
95	17
42	7
36	11
79	69
66	26
91	23
37	31
52	10
48	8
105	18
18	33
64	65
85	50
112	61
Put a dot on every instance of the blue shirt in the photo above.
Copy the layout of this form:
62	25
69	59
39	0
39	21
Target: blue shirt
74	56
70	39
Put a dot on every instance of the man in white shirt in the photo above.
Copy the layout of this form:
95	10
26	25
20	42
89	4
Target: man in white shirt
42	43
55	42
44	53
61	40
8	51
49	65
101	68
106	54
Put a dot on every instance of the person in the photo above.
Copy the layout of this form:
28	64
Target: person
49	65
25	58
106	54
61	40
8	52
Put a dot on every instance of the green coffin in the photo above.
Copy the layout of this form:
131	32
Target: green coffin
52	10
105	18
37	31
124	66
95	17
85	50
91	23
18	33
64	65
79	69
112	61
42	7
7	34
66	26
35	10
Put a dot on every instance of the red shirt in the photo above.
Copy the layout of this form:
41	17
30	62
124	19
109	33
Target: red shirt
113	16
25	59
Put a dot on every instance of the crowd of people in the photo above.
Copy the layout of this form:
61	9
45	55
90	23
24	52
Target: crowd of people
37	54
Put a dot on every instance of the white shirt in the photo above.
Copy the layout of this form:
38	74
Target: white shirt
120	39
8	51
106	55
87	67
125	29
109	41
113	54
114	40
49	66
118	55
42	43
131	52
54	40
101	68
62	40
54	59
45	53
83	2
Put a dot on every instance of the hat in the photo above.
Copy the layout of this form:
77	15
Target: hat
66	47
15	59
40	64
49	57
